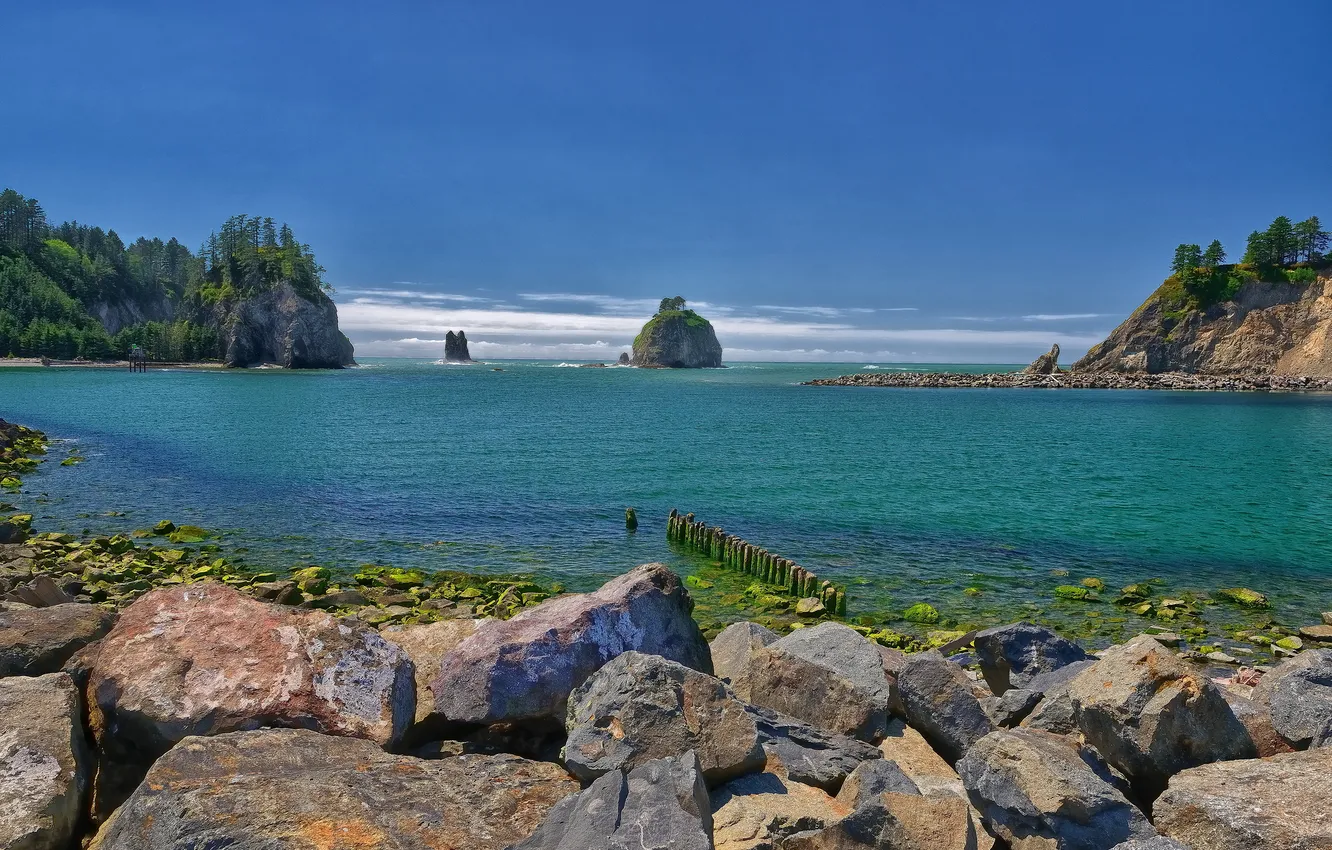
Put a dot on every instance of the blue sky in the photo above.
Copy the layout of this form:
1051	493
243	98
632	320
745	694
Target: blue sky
963	181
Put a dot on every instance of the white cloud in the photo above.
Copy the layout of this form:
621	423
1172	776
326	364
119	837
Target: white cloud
413	295
1061	317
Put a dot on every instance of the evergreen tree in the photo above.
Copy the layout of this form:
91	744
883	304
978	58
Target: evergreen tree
1258	250
1187	259
1310	239
1281	240
1214	256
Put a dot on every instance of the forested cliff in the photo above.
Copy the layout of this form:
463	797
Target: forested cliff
252	294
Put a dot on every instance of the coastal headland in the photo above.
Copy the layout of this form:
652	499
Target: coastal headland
160	690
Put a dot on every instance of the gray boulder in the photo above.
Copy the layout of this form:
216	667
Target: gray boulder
287	788
1298	696
939	701
44	763
1011	656
733	651
1151	715
872	778
1277	803
1038	789
34	641
1054	713
661	803
1012	708
526	667
638	708
827	675
1158	843
808	755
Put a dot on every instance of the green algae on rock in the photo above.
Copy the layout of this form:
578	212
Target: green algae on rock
1243	596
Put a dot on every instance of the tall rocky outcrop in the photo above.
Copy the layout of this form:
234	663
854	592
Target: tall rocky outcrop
1267	328
677	338
455	348
284	327
1046	364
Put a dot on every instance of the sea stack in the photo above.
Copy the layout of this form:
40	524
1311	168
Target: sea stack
677	338
455	348
624	358
1046	364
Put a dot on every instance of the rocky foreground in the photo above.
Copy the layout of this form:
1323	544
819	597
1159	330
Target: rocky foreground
201	717
1081	381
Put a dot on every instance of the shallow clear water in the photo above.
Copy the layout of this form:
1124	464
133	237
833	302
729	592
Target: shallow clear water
909	494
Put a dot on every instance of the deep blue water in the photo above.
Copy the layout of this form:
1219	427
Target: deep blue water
911	494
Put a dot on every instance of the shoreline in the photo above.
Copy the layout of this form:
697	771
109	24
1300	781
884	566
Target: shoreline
40	363
1180	381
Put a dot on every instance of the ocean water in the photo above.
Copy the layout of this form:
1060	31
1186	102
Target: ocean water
907	495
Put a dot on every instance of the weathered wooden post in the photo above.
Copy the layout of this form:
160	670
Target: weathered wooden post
630	519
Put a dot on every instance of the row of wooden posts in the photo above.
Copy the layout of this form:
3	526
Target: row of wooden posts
737	554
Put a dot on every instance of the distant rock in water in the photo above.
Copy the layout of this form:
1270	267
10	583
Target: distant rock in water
1046	364
284	327
1265	328
455	348
677	338
624	358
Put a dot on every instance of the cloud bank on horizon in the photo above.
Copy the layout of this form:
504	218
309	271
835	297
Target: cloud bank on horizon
405	320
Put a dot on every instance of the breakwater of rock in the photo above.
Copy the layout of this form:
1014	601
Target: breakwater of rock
1080	381
738	554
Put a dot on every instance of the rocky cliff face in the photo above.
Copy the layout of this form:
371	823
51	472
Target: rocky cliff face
282	327
117	315
1269	328
677	339
455	348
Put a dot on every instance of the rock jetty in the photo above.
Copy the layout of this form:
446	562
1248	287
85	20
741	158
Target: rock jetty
604	720
677	338
1035	380
455	348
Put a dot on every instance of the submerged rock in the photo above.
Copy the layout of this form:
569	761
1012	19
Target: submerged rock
34	641
1038	789
1277	803
642	707
828	675
661	803
44	764
1151	716
293	788
527	666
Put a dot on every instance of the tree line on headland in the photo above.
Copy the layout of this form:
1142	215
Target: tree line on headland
1285	250
56	279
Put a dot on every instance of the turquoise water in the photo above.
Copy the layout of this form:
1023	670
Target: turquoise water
908	494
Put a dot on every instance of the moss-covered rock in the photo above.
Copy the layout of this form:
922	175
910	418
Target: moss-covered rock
1243	596
1072	591
922	612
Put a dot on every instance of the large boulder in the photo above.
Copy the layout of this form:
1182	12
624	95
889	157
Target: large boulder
1151	715
1277	803
1298	697
642	707
661	803
1160	842
1011	656
939	701
733	651
44	763
203	659
1040	790
908	749
426	645
828	675
802	753
1257	719
872	778
760	811
34	641
893	821
288	788
526	667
